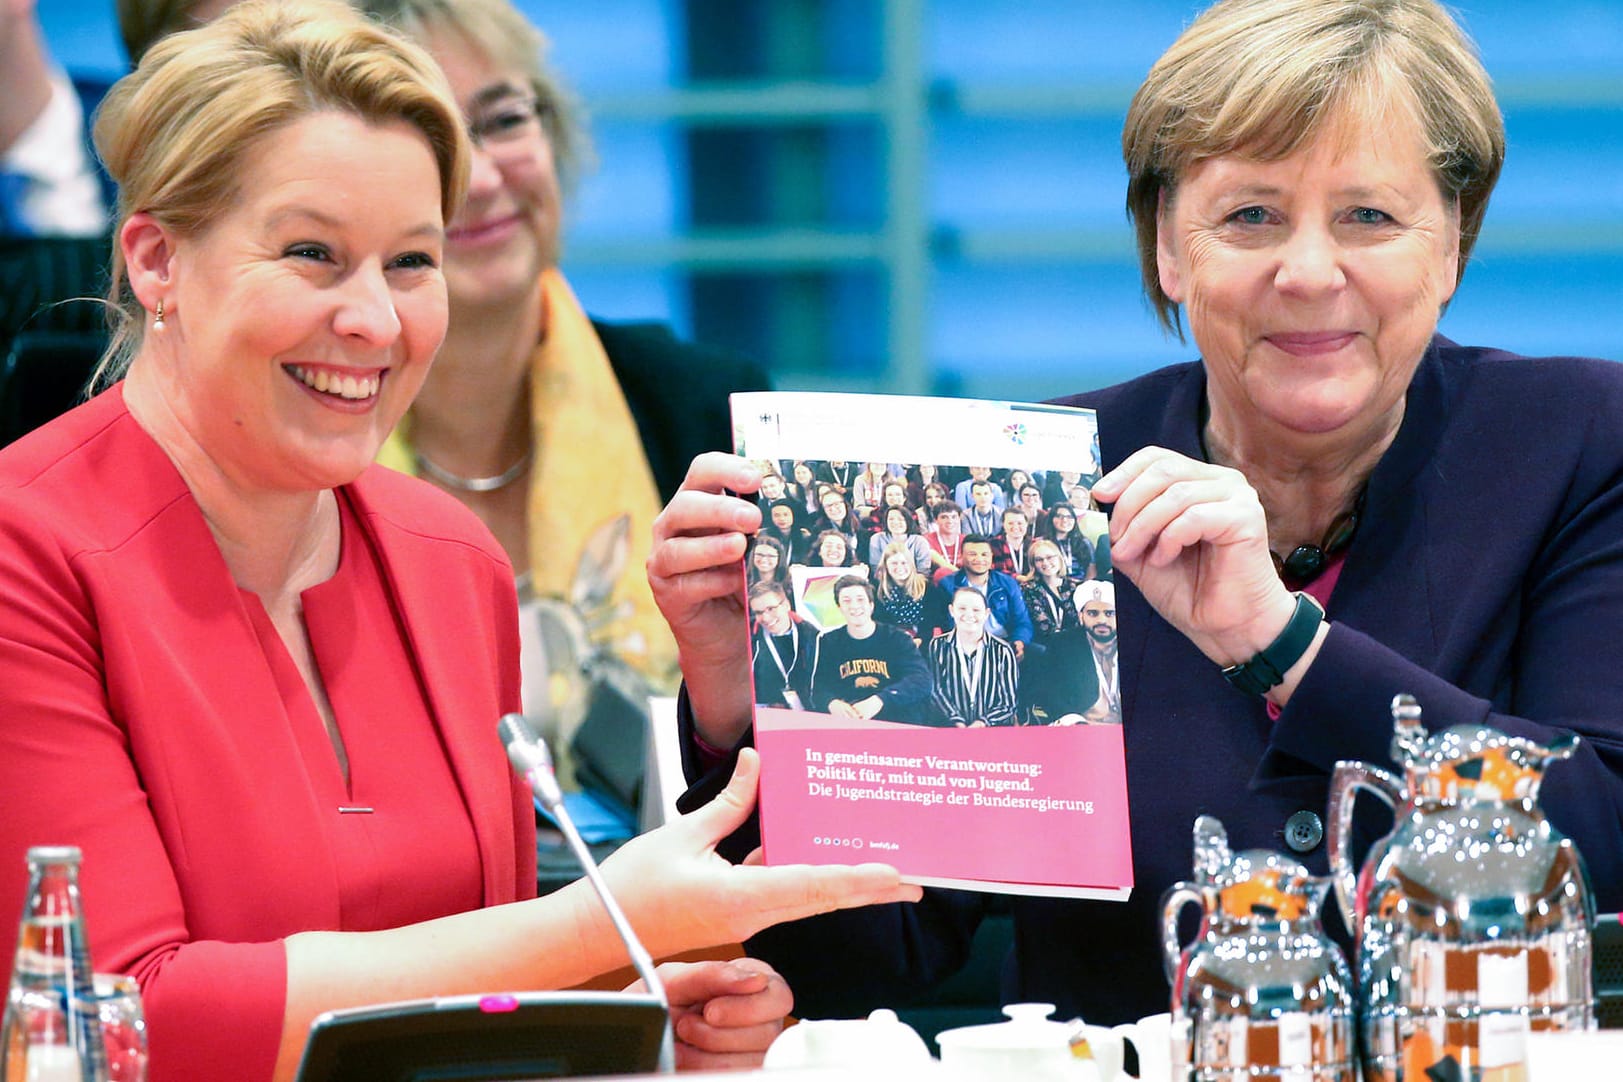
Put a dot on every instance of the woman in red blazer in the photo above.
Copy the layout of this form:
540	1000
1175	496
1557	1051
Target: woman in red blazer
255	678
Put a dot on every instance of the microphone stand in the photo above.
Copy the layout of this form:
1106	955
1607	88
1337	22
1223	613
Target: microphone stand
530	757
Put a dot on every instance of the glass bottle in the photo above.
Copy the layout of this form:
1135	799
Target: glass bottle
52	1027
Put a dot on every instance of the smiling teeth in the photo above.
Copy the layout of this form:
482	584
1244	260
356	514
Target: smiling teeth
327	382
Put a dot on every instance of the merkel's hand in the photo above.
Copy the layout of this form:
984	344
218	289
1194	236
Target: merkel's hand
1194	539
693	569
724	1014
680	895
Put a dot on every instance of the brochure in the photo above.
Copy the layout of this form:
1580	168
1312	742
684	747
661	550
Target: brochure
932	636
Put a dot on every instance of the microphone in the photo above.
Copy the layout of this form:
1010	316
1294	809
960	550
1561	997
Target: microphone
529	755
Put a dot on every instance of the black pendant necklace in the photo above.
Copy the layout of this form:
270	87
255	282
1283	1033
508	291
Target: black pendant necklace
1307	562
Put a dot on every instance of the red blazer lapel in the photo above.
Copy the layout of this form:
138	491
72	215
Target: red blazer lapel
203	716
470	670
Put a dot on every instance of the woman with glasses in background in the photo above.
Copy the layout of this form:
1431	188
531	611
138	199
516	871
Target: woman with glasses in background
563	433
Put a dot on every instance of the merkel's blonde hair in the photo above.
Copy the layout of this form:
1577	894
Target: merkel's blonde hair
174	132
1264	77
501	32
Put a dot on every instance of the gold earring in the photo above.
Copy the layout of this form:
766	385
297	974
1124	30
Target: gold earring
157	317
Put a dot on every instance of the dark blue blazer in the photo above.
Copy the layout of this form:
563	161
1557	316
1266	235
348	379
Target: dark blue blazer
1486	578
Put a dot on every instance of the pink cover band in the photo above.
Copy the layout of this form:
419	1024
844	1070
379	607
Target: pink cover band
1039	805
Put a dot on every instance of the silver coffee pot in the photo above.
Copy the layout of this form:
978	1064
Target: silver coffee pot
1473	917
1261	993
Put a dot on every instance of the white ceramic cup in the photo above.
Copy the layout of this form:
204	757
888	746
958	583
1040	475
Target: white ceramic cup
1151	1038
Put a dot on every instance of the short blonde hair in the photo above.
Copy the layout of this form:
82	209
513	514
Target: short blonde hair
174	132
501	32
1264	77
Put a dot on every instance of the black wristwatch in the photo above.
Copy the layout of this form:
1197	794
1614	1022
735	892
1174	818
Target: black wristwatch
1267	670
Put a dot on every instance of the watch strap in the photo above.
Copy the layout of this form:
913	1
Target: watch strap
1267	669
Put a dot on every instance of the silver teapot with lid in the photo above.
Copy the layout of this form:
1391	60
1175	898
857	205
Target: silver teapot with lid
1473	917
1261	992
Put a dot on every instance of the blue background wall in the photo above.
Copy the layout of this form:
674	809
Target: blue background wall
1026	284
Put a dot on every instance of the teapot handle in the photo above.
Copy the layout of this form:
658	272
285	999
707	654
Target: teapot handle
1349	777
1180	894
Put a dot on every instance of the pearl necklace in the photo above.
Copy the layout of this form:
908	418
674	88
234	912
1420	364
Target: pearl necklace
500	481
